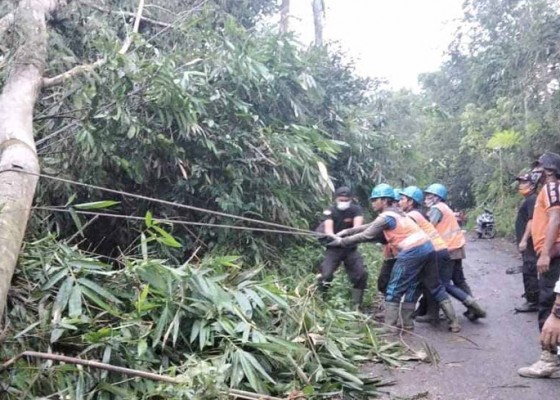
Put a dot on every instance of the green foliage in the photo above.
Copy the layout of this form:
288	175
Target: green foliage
213	325
232	119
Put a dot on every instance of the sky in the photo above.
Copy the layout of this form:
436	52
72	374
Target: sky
394	39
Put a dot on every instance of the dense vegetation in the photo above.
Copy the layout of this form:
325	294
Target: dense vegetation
212	107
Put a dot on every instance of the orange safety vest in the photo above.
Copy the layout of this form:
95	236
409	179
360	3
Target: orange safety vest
546	199
426	226
406	234
449	229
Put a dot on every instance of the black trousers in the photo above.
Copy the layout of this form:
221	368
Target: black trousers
547	281
353	264
530	278
458	276
385	275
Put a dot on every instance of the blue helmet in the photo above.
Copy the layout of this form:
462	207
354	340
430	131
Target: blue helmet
438	189
382	190
415	193
397	195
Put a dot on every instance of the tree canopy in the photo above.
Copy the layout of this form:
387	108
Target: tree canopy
214	105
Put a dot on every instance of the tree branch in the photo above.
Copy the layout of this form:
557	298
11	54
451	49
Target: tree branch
78	70
128	14
241	394
128	40
81	69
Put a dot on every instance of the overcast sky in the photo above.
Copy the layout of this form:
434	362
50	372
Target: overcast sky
395	39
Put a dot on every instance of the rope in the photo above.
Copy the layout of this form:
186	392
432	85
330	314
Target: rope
171	221
169	203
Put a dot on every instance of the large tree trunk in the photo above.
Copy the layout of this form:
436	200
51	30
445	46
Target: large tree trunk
285	16
17	146
318	18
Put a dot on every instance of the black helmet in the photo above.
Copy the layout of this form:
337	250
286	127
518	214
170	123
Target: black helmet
531	176
343	191
550	161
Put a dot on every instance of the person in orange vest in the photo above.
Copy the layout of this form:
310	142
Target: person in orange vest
389	258
443	218
411	199
414	252
545	231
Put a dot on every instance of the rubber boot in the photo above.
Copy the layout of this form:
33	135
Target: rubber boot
392	313
449	311
407	322
422	308
432	313
474	310
527	307
357	298
548	364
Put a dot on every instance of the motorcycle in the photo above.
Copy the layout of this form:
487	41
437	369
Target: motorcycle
485	225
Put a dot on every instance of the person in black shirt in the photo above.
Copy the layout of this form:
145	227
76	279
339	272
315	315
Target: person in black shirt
527	188
343	214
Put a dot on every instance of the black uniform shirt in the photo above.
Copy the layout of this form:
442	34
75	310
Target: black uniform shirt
524	215
343	219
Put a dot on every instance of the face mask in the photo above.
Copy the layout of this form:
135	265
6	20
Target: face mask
343	205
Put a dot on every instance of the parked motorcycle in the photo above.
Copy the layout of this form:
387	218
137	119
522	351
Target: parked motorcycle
485	225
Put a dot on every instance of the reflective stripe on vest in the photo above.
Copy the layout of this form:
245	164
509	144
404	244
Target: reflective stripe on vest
449	229
406	234
426	226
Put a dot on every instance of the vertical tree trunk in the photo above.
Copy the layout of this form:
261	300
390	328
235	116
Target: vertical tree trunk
284	16
318	19
17	146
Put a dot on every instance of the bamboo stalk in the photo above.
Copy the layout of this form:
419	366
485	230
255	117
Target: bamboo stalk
236	393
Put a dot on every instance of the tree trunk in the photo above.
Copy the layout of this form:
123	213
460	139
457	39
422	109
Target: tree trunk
318	18
17	146
284	16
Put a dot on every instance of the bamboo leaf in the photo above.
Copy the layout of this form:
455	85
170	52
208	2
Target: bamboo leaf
55	279
90	294
62	298
96	205
99	290
149	220
75	302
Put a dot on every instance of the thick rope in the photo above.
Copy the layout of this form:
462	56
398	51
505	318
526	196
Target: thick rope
161	201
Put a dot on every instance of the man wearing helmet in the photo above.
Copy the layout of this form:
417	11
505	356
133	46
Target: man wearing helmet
527	187
342	215
436	293
443	218
414	252
545	232
389	258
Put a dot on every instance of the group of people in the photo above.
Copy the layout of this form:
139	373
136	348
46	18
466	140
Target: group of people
424	251
537	229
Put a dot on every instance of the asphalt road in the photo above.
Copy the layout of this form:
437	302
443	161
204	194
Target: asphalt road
481	362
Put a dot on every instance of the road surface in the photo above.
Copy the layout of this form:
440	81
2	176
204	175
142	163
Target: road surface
481	362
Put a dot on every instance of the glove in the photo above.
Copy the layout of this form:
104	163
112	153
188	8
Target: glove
335	241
